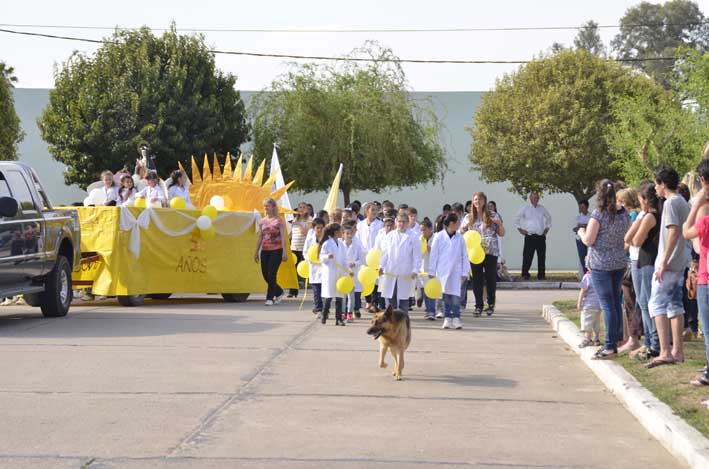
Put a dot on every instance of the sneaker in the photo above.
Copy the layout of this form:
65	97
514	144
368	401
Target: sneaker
440	315
6	302
478	312
430	317
447	323
269	302
277	300
350	317
490	310
457	323
357	314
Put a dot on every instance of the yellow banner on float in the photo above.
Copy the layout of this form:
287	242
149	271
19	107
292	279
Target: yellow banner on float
144	251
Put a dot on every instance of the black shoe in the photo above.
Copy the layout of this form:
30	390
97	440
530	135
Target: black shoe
339	321
525	278
317	310
478	312
358	315
323	317
419	302
490	310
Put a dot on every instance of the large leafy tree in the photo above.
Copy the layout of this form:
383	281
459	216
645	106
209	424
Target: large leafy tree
138	87
10	131
360	114
544	127
655	129
649	31
589	39
693	84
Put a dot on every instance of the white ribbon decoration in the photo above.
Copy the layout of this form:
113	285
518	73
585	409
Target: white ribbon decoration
128	222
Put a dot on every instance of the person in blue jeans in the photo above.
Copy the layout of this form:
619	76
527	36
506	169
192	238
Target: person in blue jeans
645	235
604	237
426	240
696	228
449	264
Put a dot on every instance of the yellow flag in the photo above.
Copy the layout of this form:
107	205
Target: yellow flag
331	202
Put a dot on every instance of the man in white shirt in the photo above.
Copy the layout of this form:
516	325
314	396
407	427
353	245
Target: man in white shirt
533	221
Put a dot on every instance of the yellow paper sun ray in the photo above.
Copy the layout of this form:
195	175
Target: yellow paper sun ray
216	170
249	169
206	173
258	179
277	194
272	178
181	168
238	171
196	176
227	168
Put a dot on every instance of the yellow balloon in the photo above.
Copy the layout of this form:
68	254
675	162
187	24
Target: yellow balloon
344	284
313	255
367	289
303	269
208	233
178	203
472	238
374	258
139	202
476	255
424	245
433	288
210	211
367	275
293	258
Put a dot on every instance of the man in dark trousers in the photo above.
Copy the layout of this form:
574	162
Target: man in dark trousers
533	222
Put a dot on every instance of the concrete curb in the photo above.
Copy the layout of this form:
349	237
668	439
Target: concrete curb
679	438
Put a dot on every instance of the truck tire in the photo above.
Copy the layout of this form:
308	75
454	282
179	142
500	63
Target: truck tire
57	295
235	297
131	300
159	296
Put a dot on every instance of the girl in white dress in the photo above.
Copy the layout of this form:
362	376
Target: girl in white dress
153	193
355	259
333	258
179	188
127	194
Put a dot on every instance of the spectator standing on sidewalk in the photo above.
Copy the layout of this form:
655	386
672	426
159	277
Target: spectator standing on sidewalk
533	221
581	222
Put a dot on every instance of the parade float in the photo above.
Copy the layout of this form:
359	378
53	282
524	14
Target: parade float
133	252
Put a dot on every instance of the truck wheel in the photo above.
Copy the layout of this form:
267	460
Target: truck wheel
56	298
159	296
235	297
131	300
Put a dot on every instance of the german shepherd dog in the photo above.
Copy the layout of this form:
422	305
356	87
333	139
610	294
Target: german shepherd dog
393	329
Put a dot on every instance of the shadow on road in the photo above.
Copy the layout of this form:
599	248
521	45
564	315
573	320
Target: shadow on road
485	381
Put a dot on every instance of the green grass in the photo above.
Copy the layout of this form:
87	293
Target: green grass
670	384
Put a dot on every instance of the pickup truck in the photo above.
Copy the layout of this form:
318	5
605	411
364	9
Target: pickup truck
39	246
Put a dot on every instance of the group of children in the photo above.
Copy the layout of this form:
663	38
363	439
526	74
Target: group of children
124	189
412	252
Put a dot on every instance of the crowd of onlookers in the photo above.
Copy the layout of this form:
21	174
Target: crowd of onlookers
644	251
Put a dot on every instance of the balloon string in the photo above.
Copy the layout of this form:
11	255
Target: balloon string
305	294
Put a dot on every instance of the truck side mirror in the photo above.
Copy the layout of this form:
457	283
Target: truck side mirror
8	207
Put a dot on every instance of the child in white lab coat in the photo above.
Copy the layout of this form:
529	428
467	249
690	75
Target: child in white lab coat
178	188
152	193
126	195
449	264
355	260
426	228
400	264
379	243
315	279
333	259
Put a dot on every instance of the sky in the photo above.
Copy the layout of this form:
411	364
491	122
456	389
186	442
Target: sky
34	58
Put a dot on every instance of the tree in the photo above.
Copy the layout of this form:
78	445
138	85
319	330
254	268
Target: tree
139	87
649	31
357	113
693	84
589	39
654	129
543	128
11	133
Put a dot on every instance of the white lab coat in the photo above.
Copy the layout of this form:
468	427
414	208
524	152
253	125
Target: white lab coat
315	269
150	193
177	191
448	261
367	233
330	269
401	258
355	254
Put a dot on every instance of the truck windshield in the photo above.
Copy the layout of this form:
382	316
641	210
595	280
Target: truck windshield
46	205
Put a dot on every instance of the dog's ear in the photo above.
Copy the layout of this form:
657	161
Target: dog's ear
390	310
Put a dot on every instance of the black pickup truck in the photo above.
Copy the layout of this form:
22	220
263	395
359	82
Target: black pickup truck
39	246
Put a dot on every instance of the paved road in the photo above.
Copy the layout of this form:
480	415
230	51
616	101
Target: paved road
209	384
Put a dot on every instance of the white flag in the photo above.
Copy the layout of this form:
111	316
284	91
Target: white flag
284	200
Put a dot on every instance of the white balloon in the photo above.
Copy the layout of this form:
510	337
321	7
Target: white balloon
88	201
204	222
97	196
217	201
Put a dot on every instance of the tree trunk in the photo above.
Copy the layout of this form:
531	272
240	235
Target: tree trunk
346	193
